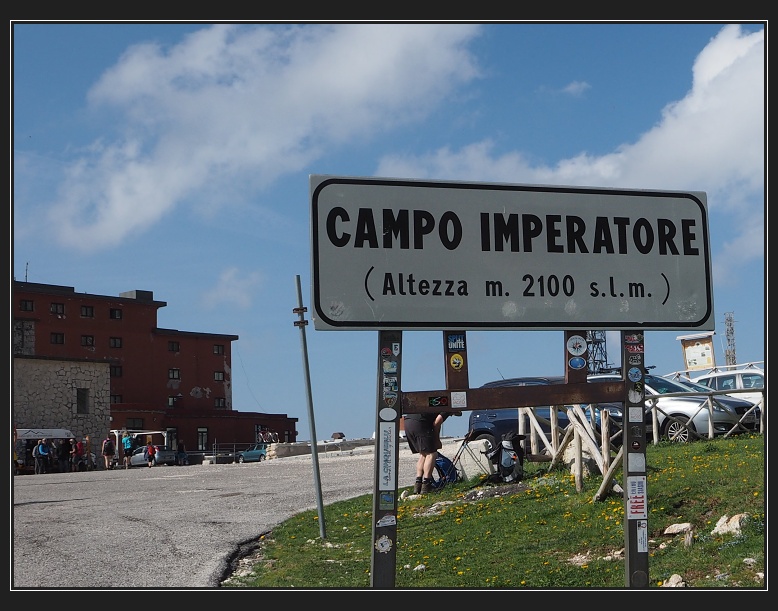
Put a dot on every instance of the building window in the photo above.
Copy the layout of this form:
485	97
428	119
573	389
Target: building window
87	311
87	340
116	371
173	346
115	342
171	401
220	402
173	374
27	305
58	309
218	348
218	376
57	338
116	399
202	438
116	313
82	400
134	424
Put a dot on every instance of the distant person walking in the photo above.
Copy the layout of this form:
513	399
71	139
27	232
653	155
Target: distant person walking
183	457
149	453
63	455
76	454
108	451
41	455
128	445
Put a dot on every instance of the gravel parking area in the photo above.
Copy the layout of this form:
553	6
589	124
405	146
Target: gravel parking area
93	530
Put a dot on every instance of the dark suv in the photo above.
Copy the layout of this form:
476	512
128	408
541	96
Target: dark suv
492	424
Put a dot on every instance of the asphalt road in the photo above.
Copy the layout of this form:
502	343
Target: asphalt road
98	529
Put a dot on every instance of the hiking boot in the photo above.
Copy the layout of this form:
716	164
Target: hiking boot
417	486
426	486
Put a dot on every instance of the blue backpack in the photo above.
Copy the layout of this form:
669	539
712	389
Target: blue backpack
446	472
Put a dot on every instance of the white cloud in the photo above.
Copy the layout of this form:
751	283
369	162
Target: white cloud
232	288
576	88
244	105
712	140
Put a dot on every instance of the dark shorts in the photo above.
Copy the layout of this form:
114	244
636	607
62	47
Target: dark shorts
421	436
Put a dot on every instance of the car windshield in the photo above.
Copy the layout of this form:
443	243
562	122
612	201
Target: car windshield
663	385
695	386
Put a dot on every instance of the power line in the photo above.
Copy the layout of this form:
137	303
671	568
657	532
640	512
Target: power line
242	366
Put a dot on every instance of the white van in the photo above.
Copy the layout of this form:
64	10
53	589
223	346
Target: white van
740	378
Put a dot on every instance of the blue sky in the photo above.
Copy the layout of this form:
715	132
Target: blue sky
175	158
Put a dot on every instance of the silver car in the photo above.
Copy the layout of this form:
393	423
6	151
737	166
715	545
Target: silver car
164	456
681	419
750	379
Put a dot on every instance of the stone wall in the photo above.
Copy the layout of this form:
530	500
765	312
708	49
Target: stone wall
281	450
45	396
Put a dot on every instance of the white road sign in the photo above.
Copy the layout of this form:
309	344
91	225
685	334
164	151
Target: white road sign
434	255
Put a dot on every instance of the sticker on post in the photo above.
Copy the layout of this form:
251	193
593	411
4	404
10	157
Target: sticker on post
576	345
456	342
387	520
459	399
383	544
386	500
387	478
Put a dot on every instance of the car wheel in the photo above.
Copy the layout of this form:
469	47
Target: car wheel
241	459
490	440
675	431
261	458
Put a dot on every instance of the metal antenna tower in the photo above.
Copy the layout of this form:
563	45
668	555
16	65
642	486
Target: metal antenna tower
729	353
598	356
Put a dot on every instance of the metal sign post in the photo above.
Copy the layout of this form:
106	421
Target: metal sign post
387	441
634	466
301	324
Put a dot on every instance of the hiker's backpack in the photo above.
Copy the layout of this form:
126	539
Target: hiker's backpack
508	458
35	453
446	471
108	447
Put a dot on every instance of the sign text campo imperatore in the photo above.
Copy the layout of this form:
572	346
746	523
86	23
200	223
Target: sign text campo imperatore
427	255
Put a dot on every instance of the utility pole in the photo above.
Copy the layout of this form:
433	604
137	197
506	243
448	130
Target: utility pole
729	354
598	357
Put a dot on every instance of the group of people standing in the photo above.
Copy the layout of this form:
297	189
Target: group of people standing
128	447
128	443
63	455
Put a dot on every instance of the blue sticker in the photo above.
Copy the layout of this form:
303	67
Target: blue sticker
634	374
456	342
577	362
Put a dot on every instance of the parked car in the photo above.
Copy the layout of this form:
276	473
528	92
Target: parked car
255	453
492	424
723	378
741	406
682	409
164	456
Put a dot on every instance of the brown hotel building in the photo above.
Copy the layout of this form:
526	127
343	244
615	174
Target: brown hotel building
93	363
